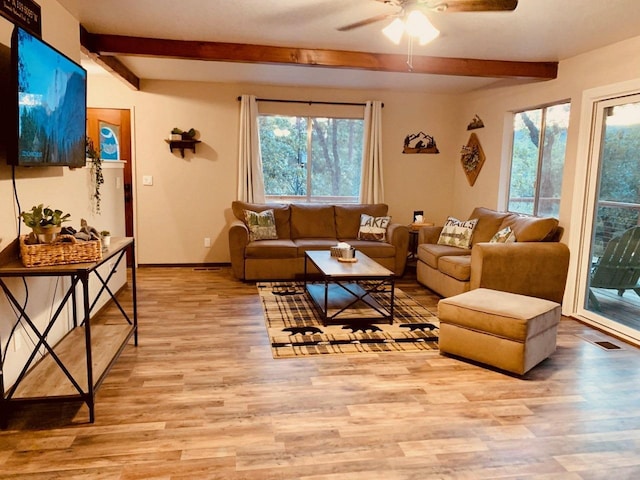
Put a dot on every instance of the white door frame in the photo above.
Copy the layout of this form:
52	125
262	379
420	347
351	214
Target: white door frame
587	166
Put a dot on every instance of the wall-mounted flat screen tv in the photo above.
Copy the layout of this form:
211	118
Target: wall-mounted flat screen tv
50	105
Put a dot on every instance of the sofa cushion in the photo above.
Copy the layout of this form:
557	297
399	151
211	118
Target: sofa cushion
304	244
261	225
489	222
374	249
458	266
270	249
531	229
430	253
457	233
373	228
280	212
312	221
348	217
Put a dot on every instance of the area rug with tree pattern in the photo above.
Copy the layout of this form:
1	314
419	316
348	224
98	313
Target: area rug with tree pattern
295	327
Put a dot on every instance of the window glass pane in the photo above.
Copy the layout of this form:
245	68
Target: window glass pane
524	163
336	152
283	144
329	172
537	161
614	278
551	169
619	191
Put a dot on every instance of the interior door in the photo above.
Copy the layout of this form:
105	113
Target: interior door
610	280
110	130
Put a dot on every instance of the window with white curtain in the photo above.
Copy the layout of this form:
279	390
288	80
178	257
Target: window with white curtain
311	159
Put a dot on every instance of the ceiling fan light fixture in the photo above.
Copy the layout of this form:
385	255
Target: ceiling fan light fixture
394	31
419	26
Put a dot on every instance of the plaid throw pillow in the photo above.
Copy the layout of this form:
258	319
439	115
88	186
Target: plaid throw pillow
457	233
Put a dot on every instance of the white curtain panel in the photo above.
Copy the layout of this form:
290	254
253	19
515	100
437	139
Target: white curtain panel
250	179
371	186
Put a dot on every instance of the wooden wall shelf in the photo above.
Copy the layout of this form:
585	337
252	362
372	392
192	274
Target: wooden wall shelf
182	145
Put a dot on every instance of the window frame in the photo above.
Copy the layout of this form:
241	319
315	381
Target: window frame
540	154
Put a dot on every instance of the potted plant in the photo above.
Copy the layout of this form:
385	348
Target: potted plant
96	172
176	134
105	238
45	222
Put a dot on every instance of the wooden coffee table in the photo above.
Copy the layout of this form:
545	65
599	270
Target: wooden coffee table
344	292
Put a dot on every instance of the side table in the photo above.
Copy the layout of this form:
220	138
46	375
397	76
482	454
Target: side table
76	365
414	231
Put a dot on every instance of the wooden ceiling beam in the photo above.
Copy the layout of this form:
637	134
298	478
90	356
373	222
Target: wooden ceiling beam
112	45
108	62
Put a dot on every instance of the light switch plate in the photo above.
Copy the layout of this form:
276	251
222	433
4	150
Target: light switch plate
147	180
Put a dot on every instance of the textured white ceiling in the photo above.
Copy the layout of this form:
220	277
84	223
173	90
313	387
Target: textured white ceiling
538	30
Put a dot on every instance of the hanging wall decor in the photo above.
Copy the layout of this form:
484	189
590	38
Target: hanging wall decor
420	143
475	123
472	158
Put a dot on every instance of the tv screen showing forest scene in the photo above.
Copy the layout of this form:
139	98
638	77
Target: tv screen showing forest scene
51	104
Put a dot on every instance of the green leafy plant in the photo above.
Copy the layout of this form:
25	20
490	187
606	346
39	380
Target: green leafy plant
186	134
42	217
105	233
96	173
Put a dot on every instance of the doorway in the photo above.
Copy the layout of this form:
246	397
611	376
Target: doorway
610	281
110	131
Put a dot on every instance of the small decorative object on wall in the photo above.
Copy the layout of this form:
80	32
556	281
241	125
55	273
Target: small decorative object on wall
419	143
475	123
472	158
181	140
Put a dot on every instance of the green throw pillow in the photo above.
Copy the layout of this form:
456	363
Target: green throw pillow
261	225
457	233
373	228
505	235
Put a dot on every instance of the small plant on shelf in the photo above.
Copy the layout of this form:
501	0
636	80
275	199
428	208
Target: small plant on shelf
45	222
184	135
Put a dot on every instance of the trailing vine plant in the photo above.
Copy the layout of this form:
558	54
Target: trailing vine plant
96	173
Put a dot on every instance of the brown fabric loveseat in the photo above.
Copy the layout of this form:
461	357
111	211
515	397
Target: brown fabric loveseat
302	227
536	264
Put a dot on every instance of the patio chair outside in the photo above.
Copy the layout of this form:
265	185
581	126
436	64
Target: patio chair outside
619	266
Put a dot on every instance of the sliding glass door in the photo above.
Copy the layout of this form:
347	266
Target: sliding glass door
611	283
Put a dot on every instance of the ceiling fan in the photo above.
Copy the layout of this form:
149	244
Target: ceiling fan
435	6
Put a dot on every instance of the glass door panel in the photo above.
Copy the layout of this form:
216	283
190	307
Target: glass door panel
612	292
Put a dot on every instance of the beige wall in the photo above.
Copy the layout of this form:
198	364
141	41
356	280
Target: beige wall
610	65
190	198
58	187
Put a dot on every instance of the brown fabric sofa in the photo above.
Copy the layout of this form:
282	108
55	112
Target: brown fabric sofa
302	227
535	265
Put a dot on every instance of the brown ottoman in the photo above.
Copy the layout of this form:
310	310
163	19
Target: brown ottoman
505	330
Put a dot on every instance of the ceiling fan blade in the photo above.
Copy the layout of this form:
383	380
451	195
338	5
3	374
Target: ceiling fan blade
474	5
367	21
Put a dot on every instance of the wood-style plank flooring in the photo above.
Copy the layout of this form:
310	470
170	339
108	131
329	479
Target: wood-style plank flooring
202	398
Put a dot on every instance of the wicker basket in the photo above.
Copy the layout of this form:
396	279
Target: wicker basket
65	249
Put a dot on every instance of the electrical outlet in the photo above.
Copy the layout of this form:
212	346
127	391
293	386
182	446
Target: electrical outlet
207	242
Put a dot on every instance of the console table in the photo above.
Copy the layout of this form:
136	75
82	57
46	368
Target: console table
75	366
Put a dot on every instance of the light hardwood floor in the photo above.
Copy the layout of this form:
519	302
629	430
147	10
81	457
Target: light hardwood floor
202	398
